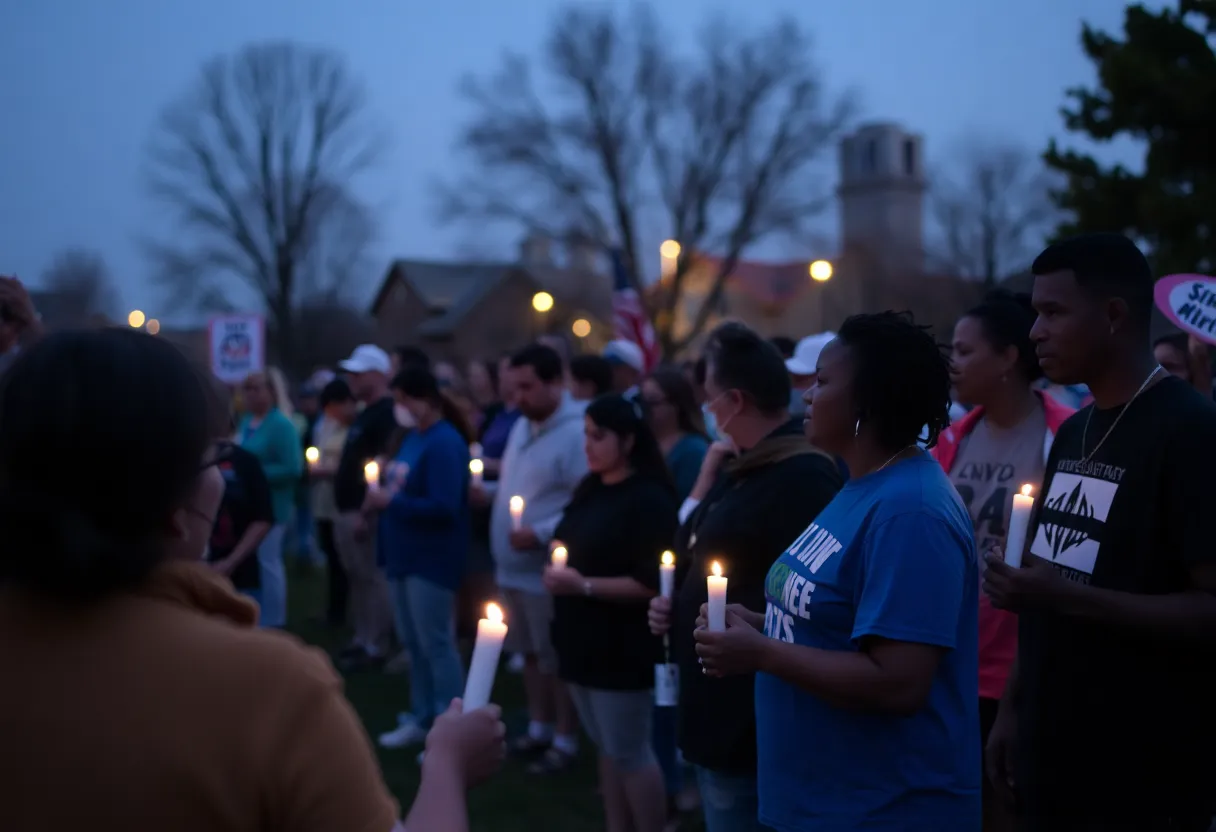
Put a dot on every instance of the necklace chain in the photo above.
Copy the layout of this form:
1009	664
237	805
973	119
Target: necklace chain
1085	458
892	459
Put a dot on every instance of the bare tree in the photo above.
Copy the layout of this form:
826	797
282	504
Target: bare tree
719	148
80	289
992	208
255	164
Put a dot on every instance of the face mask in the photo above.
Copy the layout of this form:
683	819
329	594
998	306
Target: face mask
797	405
403	416
722	426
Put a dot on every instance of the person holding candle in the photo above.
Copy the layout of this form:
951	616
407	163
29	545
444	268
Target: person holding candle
1107	721
210	724
757	490
542	464
423	540
338	412
621	517
1000	446
367	440
269	434
865	651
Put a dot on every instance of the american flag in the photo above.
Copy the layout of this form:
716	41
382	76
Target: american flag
628	315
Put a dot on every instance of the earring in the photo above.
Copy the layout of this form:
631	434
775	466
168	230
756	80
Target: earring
857	429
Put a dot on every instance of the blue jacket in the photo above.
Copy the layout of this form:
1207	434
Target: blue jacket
424	531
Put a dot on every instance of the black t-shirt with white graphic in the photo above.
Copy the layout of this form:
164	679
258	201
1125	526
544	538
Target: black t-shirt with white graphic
1116	727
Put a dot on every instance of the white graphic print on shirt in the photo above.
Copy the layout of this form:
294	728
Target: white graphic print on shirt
1073	516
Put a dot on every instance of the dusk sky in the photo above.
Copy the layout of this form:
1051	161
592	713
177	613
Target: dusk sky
84	80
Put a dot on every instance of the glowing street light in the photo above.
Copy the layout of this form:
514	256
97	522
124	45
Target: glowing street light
542	302
136	319
153	326
670	250
581	328
821	270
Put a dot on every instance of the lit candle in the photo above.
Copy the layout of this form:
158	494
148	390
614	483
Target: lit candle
477	468
667	574
1019	522
717	599
491	632
313	456
559	557
517	512
371	473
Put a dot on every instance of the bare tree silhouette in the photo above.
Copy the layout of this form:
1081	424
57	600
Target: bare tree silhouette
992	207
720	148
255	165
80	286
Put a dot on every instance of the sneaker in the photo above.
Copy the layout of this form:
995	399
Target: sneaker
403	736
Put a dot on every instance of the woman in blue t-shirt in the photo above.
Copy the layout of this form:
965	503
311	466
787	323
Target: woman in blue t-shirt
866	691
423	542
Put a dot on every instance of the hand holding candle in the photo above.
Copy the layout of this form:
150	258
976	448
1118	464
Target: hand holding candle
312	456
717	599
371	473
516	507
491	632
667	574
1019	522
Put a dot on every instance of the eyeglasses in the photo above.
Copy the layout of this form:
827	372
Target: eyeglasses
218	454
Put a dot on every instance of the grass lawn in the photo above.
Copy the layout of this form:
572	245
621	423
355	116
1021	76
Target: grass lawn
511	802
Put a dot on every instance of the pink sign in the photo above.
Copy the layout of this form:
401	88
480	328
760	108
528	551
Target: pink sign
1189	301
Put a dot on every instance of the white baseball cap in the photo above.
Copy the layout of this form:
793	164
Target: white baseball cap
368	358
625	352
805	361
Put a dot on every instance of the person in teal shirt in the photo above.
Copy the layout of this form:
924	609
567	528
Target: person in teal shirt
269	434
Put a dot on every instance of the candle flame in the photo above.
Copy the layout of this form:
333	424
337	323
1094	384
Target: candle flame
716	568
476	466
312	455
517	503
561	549
371	471
494	612
668	559
1026	489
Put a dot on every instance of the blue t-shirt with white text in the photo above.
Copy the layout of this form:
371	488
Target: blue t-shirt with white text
892	557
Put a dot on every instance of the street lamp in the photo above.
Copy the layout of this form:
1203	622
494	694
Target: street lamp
821	271
581	328
542	302
136	319
153	326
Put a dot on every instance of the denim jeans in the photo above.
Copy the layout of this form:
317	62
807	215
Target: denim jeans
664	741
729	801
425	615
274	578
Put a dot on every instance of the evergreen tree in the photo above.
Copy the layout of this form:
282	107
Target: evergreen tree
1157	85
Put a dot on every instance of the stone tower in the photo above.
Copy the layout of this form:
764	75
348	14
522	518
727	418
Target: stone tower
882	196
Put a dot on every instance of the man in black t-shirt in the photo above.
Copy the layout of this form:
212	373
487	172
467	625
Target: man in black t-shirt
1107	723
245	516
368	371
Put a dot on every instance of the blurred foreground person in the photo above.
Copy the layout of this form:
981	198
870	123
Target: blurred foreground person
193	720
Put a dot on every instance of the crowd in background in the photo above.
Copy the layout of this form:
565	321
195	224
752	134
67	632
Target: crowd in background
857	488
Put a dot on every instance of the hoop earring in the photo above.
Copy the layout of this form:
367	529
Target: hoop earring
857	429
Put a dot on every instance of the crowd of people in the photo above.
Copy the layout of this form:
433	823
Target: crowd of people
883	664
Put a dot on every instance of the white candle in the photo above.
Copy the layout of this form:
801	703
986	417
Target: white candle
517	512
475	450
491	632
717	599
667	574
477	468
371	474
559	557
312	456
1019	522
